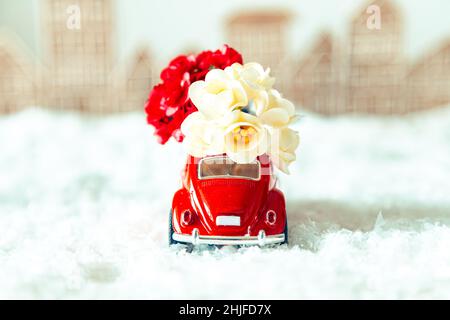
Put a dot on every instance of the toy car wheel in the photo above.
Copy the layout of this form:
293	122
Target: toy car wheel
189	247
286	234
171	241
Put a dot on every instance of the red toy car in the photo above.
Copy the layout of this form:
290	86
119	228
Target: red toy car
225	203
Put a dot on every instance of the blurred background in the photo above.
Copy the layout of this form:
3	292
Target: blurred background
85	189
383	57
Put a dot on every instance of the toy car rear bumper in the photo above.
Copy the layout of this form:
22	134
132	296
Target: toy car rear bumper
261	240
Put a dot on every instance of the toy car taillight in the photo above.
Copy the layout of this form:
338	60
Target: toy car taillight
187	218
271	218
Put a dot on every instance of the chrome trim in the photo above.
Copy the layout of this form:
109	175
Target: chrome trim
226	176
261	240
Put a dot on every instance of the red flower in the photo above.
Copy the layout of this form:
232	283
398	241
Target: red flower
169	104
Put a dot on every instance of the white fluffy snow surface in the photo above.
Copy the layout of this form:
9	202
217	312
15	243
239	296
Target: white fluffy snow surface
84	206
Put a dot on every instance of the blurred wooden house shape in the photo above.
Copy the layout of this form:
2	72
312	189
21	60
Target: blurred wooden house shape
317	80
17	76
429	80
80	70
377	63
80	61
260	36
367	73
365	76
137	80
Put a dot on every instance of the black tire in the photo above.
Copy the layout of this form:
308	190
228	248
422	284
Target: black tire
286	234
171	241
189	247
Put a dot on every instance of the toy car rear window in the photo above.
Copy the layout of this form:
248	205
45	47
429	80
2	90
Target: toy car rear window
223	167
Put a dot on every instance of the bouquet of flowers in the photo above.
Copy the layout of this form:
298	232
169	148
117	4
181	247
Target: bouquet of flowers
215	104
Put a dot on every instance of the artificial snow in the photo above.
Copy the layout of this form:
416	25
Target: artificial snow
84	208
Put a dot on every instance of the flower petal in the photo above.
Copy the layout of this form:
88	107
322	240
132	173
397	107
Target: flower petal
217	75
288	106
205	102
192	123
289	140
276	117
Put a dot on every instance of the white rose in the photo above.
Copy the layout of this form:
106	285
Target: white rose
252	74
241	115
256	81
279	112
284	143
218	94
202	137
245	138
